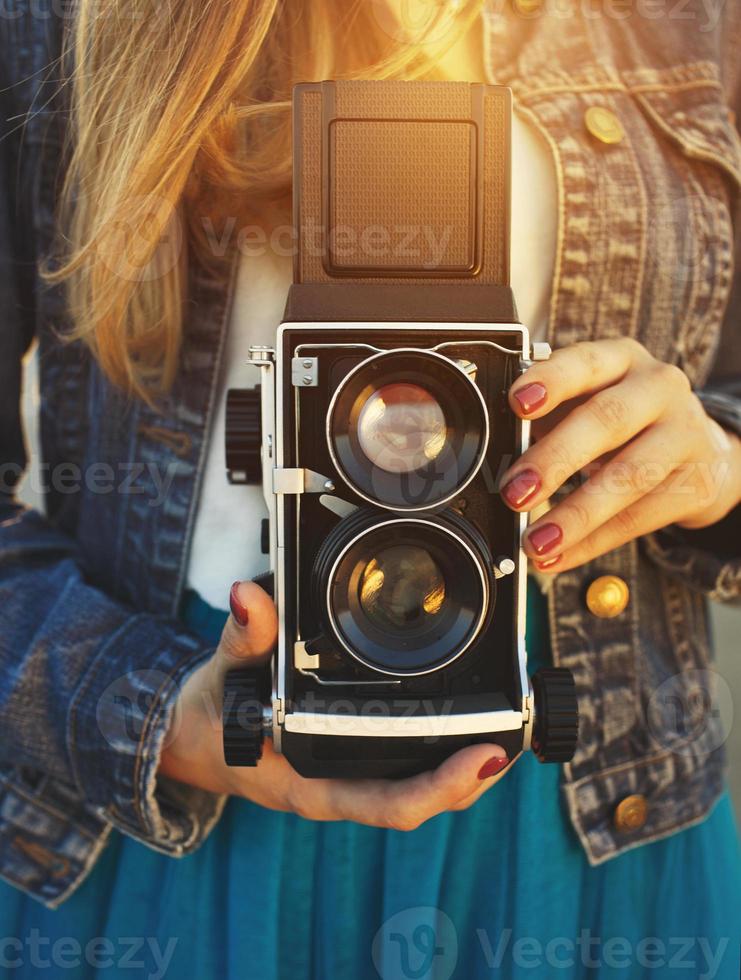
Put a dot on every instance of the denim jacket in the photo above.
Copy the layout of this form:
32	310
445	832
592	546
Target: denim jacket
91	651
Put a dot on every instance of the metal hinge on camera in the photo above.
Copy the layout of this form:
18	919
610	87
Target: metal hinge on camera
300	480
260	354
539	351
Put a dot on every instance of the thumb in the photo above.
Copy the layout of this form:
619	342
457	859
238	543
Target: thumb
250	632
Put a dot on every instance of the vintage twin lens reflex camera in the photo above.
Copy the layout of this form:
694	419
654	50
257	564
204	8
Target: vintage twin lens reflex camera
379	430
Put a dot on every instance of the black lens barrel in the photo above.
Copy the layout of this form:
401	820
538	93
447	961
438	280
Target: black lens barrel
455	547
448	389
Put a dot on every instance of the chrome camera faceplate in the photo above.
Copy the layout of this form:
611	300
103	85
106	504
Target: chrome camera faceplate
398	573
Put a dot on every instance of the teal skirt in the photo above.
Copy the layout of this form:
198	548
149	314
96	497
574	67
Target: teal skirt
502	889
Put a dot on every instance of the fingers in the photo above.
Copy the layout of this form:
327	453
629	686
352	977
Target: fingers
628	413
402	804
251	630
617	484
667	504
573	371
413	801
486	784
194	753
603	423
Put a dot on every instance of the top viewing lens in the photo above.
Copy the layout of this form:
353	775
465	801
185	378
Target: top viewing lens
401	428
407	429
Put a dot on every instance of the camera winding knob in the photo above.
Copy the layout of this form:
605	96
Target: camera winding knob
242	719
243	435
556	727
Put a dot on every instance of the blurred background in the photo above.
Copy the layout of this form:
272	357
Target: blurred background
727	629
726	620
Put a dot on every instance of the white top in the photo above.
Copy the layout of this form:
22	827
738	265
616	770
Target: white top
226	542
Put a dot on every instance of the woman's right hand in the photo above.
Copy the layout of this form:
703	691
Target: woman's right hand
193	752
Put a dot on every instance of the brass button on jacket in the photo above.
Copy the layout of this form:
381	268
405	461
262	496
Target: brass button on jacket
631	813
607	596
603	124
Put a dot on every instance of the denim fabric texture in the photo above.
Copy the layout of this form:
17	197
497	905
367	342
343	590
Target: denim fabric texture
91	649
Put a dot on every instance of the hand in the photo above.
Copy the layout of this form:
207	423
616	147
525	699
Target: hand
194	754
631	423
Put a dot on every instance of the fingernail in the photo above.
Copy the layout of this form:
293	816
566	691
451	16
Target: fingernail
238	610
548	563
545	538
493	766
521	488
531	396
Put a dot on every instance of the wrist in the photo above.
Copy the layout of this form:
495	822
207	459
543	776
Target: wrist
730	473
735	474
203	769
725	472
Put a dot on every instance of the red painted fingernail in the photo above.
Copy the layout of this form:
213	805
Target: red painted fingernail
521	488
545	538
493	766
548	563
238	610
531	396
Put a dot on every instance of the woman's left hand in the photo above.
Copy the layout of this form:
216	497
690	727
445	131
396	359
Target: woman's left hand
652	455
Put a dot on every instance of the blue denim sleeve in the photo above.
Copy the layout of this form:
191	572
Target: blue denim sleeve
87	687
87	694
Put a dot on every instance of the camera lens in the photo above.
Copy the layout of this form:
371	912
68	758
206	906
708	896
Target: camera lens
404	595
407	429
402	589
401	428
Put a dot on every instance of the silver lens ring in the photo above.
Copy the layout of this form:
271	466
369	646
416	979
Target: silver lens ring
404	596
407	429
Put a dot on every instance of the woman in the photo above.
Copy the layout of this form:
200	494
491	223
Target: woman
175	146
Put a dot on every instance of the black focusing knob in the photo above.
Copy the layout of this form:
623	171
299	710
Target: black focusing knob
243	435
556	727
243	708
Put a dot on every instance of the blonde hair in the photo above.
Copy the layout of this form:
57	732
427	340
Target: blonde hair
180	117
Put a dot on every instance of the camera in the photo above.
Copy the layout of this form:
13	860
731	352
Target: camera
379	430
397	569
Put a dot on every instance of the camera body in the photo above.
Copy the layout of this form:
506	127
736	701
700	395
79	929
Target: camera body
398	574
380	431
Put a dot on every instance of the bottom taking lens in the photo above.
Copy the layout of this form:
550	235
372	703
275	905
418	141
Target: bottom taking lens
402	589
403	595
